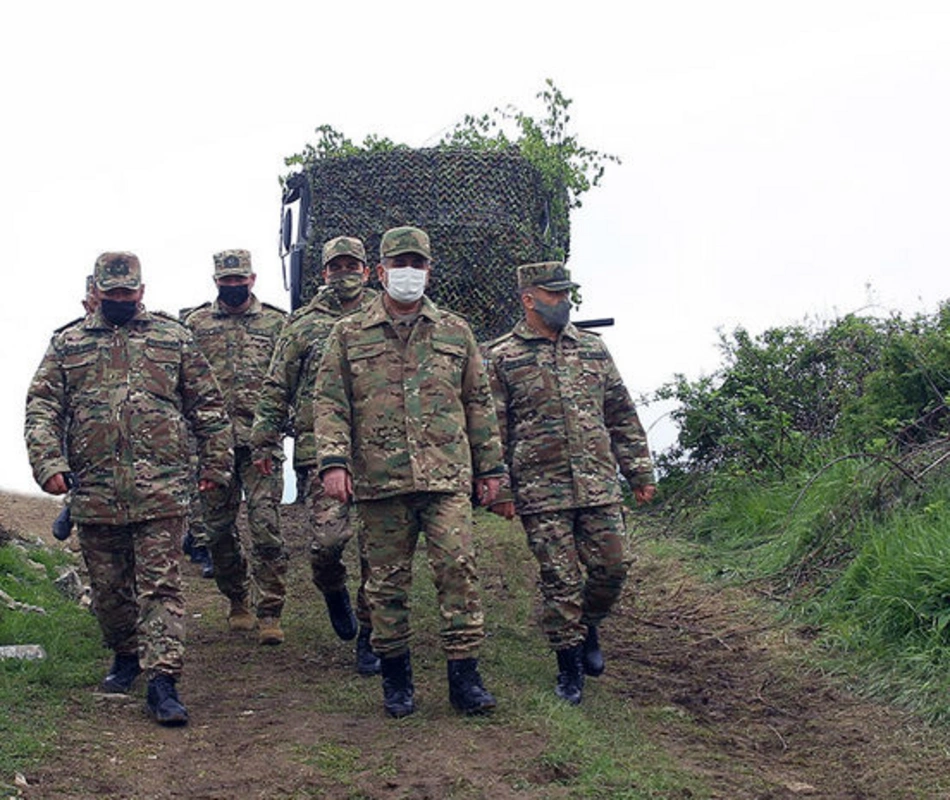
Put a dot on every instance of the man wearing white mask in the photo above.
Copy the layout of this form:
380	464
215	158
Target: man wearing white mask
405	426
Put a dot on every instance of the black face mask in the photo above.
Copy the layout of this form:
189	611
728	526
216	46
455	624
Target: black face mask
118	312
234	296
555	316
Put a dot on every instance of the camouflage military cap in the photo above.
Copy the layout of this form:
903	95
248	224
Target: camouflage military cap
117	271
550	275
232	262
343	246
406	239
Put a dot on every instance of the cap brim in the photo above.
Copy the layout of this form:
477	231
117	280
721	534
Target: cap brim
558	286
395	253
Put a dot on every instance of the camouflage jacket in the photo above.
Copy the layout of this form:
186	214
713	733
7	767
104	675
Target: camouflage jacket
239	349
287	394
566	420
413	416
113	406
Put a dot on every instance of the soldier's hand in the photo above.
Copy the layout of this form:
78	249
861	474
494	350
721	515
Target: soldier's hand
205	485
56	484
486	490
505	509
644	494
265	466
338	484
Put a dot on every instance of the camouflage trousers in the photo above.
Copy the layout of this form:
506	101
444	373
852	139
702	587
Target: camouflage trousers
136	590
582	554
219	512
333	524
392	528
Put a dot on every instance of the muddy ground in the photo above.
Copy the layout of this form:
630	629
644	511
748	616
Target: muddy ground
719	693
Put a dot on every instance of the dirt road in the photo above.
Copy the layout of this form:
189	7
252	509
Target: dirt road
713	678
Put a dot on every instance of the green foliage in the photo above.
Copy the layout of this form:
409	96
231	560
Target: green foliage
568	169
857	383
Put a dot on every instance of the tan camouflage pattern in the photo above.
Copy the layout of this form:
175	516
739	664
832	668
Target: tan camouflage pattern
413	416
343	246
286	398
550	275
566	420
239	348
333	525
136	590
405	239
268	557
114	406
232	262
120	270
583	560
392	528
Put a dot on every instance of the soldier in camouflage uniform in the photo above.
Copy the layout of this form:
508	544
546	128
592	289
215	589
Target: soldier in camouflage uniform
237	333
405	425
568	424
288	393
109	410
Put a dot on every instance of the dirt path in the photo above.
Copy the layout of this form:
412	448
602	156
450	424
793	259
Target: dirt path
716	688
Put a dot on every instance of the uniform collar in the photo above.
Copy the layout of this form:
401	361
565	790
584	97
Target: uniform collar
524	331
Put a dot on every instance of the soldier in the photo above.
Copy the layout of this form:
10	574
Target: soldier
110	404
405	425
288	393
237	333
568	424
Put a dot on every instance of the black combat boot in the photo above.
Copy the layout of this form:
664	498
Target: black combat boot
593	658
202	556
367	662
162	701
397	685
570	679
125	669
466	692
341	613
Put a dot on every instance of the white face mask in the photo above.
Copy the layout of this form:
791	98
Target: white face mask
406	284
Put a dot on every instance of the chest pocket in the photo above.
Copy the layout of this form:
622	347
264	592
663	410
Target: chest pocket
448	358
161	368
81	368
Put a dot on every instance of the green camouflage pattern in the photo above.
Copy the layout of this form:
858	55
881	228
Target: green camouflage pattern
550	275
404	239
232	262
219	511
286	398
392	528
120	270
239	348
333	524
583	560
343	246
114	406
136	590
405	416
566	420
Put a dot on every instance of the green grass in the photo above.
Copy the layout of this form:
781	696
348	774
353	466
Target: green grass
864	563
34	695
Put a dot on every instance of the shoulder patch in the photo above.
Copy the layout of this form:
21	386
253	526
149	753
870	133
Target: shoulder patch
69	324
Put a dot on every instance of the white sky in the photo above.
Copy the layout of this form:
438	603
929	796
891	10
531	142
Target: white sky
780	159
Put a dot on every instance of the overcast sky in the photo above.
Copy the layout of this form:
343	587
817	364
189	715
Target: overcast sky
780	160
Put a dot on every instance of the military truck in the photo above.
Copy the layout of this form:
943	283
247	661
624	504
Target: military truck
486	211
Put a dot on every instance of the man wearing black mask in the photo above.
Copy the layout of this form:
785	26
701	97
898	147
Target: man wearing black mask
106	417
237	333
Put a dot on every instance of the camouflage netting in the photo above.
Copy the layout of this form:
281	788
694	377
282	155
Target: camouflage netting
485	212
